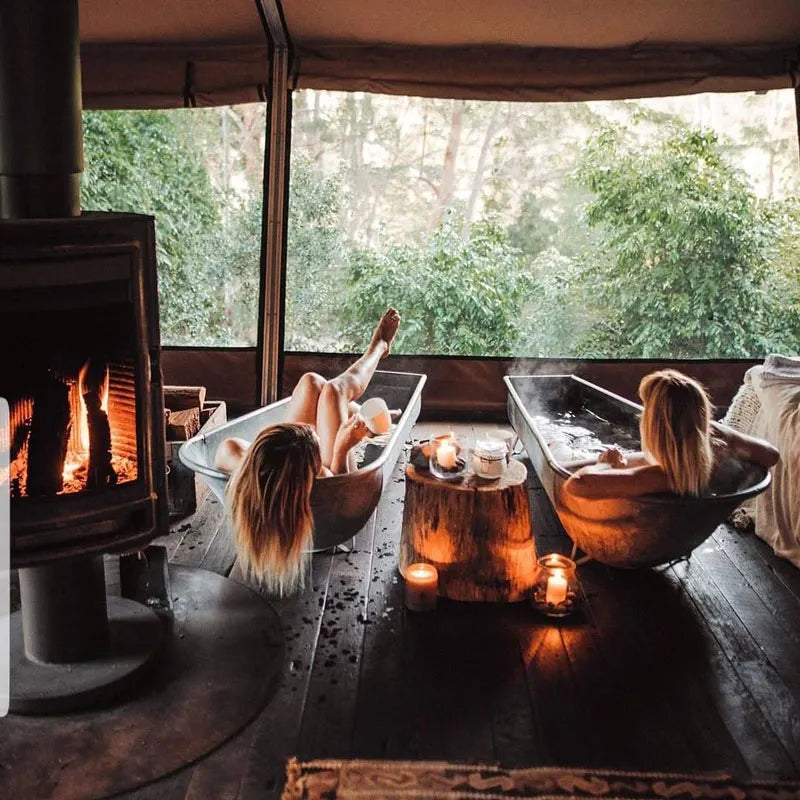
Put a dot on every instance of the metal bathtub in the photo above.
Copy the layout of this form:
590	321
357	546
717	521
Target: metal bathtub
639	532
341	504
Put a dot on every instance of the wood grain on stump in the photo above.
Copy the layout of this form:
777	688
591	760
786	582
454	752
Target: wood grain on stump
476	532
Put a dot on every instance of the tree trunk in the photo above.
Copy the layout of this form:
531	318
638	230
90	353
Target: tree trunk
477	179
447	184
477	533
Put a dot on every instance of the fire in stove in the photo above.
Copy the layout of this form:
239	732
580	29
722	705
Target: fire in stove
70	437
71	387
74	434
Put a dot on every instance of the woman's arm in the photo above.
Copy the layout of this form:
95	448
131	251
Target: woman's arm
347	437
612	456
747	448
601	481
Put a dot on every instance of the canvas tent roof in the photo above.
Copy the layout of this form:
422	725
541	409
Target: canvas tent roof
163	53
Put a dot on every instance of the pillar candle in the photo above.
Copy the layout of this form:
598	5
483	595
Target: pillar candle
556	588
422	587
446	455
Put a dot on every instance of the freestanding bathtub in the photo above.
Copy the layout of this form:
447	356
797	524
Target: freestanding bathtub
638	532
341	504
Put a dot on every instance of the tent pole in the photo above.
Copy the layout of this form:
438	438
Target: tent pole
275	201
797	112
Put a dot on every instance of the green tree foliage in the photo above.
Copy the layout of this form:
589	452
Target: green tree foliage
557	317
236	250
678	259
782	288
141	161
685	248
456	297
315	270
532	232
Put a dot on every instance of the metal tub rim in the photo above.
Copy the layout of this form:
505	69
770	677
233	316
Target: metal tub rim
646	499
341	504
211	472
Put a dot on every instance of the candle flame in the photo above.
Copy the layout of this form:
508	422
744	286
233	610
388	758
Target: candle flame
422	571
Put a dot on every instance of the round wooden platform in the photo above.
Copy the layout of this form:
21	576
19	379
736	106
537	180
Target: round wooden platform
476	532
224	660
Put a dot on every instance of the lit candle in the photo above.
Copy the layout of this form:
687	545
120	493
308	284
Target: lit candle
422	587
556	588
446	454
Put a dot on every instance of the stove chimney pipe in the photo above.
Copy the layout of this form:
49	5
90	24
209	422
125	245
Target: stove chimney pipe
41	149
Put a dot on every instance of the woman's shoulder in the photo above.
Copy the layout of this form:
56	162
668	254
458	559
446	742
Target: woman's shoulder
598	482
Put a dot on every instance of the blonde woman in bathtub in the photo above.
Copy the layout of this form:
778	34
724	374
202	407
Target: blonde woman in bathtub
684	449
271	479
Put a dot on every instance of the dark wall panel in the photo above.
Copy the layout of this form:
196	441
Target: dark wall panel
228	373
456	387
474	388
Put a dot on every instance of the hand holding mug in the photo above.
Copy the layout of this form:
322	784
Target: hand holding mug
377	415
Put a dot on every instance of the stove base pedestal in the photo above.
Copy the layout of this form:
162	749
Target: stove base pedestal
224	659
136	638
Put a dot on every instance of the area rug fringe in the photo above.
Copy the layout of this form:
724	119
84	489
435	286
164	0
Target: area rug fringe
323	779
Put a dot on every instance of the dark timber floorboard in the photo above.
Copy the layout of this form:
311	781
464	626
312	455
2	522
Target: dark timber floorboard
694	667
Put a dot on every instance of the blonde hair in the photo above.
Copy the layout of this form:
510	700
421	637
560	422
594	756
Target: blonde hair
675	429
270	504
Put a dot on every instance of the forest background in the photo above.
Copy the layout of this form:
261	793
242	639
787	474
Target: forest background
663	228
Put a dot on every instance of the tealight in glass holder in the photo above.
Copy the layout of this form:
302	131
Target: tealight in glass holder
555	592
448	457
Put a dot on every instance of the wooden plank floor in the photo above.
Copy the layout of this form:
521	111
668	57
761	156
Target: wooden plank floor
686	668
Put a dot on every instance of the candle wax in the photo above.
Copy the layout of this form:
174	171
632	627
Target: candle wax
446	455
556	588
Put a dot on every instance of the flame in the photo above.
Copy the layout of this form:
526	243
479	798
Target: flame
83	422
76	458
104	399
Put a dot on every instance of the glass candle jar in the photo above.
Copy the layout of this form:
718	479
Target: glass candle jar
422	587
555	592
489	459
447	458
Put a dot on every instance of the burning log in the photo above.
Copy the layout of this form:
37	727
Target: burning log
100	472
94	388
49	436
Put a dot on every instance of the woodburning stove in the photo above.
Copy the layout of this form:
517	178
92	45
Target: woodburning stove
80	368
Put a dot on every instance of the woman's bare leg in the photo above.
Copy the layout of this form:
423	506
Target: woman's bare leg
305	397
338	393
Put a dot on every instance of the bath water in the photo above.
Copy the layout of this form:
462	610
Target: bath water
580	434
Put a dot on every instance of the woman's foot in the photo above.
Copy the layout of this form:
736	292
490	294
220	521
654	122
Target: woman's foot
385	331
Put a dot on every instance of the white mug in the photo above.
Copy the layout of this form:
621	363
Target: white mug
376	415
502	435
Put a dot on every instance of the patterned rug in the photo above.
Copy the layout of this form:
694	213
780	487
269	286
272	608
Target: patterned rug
439	780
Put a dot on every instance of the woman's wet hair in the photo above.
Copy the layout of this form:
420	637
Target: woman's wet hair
675	429
270	503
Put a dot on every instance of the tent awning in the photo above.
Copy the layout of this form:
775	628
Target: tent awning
502	73
166	53
169	76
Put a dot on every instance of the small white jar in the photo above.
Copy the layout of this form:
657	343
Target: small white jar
489	459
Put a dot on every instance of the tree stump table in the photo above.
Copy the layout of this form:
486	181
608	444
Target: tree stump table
476	532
